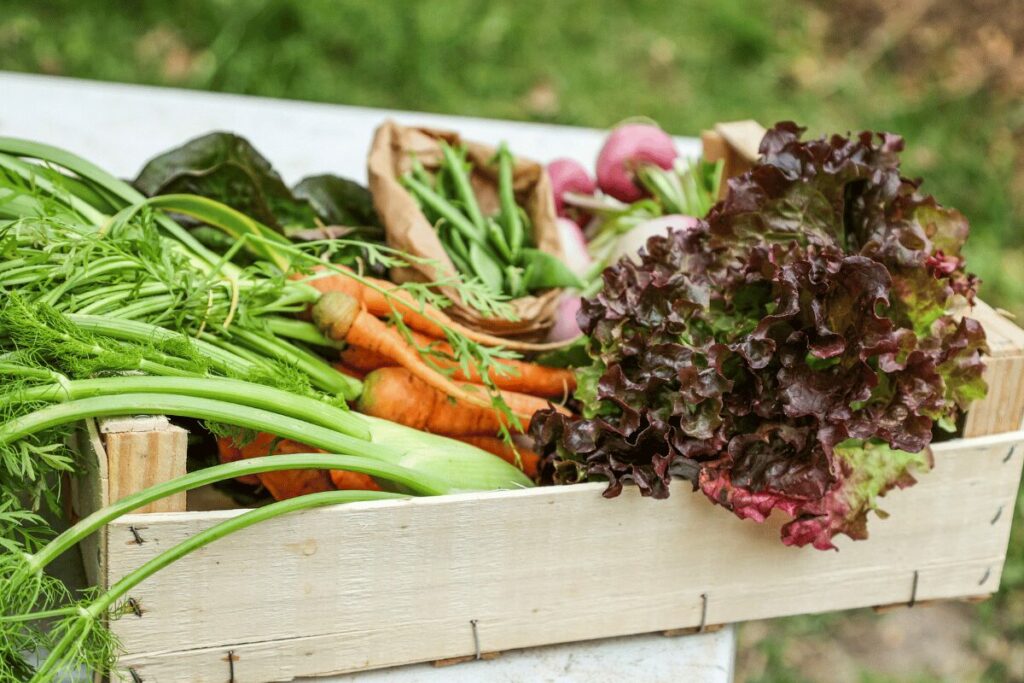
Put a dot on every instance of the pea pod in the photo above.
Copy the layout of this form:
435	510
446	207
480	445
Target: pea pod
545	271
459	174
486	267
514	281
443	207
497	236
456	248
510	218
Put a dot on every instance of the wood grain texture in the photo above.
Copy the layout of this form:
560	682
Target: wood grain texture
90	492
370	585
142	452
1002	409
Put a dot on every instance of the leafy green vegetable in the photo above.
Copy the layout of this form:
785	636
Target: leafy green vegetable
792	352
227	168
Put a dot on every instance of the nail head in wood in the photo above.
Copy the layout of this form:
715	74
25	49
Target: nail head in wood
703	613
476	638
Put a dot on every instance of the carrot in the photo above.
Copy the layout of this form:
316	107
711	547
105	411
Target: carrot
421	317
398	395
528	460
363	360
344	319
228	452
347	368
293	483
286	483
514	375
353	481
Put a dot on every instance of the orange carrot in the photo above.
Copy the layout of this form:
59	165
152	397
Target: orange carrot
292	483
528	460
363	360
514	375
346	368
421	317
228	452
398	395
353	481
342	318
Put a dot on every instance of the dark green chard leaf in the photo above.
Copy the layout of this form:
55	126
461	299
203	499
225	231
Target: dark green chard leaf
792	352
226	167
340	201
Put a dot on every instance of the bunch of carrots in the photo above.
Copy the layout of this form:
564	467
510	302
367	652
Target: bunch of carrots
410	376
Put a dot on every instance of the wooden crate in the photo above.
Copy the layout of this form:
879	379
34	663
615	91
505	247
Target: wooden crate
380	584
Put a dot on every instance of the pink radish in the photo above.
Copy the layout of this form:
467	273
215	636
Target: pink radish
568	175
565	326
574	246
626	148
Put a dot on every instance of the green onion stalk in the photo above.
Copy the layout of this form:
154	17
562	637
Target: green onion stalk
28	595
418	463
80	636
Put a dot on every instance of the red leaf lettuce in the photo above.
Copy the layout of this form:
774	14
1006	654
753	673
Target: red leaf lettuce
792	352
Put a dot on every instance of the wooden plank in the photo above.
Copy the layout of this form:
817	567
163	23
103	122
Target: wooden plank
381	584
1002	409
90	492
743	137
705	658
142	452
736	143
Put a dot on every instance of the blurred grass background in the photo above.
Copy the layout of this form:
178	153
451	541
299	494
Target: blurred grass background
948	75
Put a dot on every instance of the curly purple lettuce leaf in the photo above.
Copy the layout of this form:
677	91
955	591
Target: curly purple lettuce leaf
793	352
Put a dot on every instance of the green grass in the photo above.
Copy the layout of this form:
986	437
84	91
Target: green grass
593	63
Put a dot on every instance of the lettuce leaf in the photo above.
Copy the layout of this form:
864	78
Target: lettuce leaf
792	352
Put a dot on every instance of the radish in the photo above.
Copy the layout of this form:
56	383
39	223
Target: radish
566	327
568	175
631	242
574	246
626	148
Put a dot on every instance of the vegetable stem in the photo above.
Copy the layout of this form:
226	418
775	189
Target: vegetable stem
231	390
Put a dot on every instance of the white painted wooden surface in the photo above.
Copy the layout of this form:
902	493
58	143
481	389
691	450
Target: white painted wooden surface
371	585
121	126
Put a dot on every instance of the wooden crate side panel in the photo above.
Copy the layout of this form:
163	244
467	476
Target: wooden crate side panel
89	492
381	584
142	452
1002	409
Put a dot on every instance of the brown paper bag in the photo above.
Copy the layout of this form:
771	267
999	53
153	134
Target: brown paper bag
407	228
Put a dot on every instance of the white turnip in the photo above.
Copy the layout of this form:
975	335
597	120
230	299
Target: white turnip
631	242
574	246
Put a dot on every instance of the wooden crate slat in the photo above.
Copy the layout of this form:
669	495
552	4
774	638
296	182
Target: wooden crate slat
89	493
141	452
1002	409
380	584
